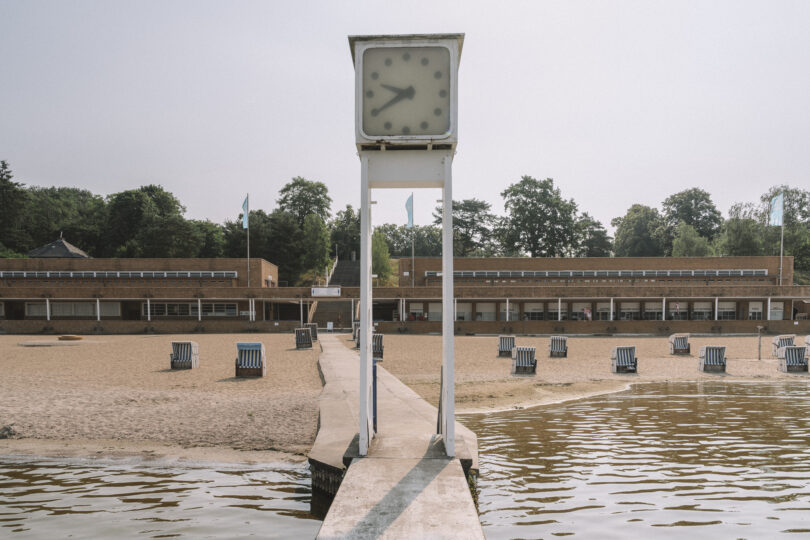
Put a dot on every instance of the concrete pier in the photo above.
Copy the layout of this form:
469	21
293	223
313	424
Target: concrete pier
406	487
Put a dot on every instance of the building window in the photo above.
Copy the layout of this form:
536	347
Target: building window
727	311
35	309
653	311
702	311
602	311
463	311
533	311
485	311
2	310
630	311
416	311
435	311
777	311
755	311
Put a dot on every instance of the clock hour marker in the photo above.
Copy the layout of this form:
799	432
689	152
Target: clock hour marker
375	112
406	56
375	75
369	94
437	75
437	111
442	93
387	61
387	125
425	61
423	125
406	130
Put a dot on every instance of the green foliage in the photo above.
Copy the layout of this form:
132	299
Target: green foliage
213	239
740	237
592	238
77	214
380	258
300	197
688	243
316	244
345	230
540	222
427	240
6	253
693	207
638	233
13	198
472	227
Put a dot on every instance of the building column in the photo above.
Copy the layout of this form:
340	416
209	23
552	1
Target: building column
48	309
716	308
664	308
98	310
455	309
507	310
199	309
301	312
148	310
768	318
611	309
559	309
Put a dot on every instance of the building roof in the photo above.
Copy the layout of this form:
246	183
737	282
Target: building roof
60	249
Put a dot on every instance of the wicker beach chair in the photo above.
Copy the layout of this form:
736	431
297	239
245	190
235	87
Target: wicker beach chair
377	346
793	359
250	360
184	355
505	345
679	344
623	360
313	330
303	338
712	359
357	338
558	347
785	340
524	361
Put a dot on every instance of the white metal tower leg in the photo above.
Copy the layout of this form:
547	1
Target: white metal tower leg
448	359
366	419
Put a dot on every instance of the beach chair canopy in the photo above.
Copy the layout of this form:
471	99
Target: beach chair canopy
624	356
794	355
249	355
377	345
558	344
713	355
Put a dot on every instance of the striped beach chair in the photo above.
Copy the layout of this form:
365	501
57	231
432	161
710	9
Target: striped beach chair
313	330
558	347
303	338
785	340
357	338
524	361
793	359
185	355
712	359
505	345
679	344
377	346
250	360
623	360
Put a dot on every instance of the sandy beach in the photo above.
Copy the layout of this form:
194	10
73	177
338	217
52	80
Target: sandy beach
115	396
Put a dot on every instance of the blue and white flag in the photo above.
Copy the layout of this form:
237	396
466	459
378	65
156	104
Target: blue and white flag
777	207
245	212
409	208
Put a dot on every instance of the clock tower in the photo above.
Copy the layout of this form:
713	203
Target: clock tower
406	130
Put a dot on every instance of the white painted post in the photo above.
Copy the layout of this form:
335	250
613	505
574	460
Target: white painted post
199	309
664	308
716	308
48	309
448	423
301	312
365	428
455	309
769	309
559	309
98	310
352	310
507	310
611	309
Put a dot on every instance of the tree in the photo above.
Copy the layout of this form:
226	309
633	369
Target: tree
638	233
540	221
592	238
796	217
13	197
213	239
472	227
427	240
78	214
694	207
300	197
380	258
742	233
688	243
137	215
316	239
345	230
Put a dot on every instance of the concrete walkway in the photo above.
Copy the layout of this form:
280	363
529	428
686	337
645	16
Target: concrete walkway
406	487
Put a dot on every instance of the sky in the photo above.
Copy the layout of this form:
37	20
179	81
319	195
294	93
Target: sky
620	102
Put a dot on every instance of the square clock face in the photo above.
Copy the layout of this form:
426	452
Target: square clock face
406	91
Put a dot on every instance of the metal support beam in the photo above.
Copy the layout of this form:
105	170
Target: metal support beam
769	309
611	309
148	310
47	309
559	309
365	427
98	310
716	308
664	308
448	357
199	310
507	310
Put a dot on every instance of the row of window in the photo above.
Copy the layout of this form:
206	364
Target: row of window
110	274
599	273
72	309
183	309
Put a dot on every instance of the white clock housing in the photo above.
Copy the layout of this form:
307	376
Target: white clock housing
406	90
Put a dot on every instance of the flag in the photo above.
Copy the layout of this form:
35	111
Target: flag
409	208
777	206
245	212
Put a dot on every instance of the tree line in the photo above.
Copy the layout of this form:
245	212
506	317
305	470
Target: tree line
302	236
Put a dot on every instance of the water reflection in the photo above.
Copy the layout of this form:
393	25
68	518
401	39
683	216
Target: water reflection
678	460
50	499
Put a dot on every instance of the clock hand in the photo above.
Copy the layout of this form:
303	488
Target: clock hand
407	93
393	88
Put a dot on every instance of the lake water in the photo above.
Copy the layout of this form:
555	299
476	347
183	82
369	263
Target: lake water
82	499
680	460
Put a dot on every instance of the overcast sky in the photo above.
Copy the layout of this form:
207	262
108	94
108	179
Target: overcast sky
619	101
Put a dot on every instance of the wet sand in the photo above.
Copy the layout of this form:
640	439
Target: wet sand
115	396
484	383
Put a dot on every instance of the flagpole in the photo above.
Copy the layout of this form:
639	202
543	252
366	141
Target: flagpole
247	221
781	246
